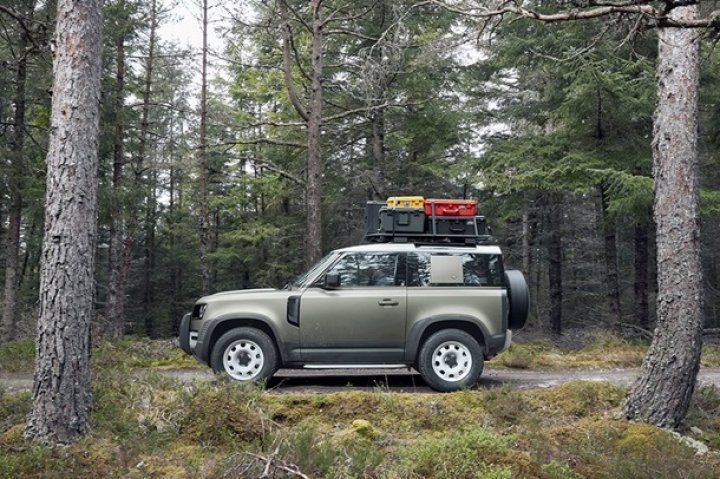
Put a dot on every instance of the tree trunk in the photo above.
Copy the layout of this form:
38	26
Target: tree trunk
378	154
203	159
149	260
553	245
611	259
662	393
526	241
313	238
62	392
115	309
642	313
8	326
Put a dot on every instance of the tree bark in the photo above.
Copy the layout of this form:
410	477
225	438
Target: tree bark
313	238
114	311
313	119
62	394
203	159
662	393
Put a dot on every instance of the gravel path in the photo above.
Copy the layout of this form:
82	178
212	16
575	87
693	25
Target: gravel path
288	381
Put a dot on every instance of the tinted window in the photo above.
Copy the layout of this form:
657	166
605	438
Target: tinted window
461	269
374	270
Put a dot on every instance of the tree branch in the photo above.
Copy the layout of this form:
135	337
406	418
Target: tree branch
283	13
260	141
18	18
600	9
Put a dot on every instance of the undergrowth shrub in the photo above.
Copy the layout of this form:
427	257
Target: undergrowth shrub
132	353
507	406
470	452
557	470
30	460
704	414
518	356
14	407
225	413
576	398
304	452
711	356
17	356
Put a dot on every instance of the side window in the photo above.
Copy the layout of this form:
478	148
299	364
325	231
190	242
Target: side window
446	269
373	270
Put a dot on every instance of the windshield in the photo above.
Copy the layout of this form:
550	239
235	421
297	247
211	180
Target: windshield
300	281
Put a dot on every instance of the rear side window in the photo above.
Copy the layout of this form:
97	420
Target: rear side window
454	269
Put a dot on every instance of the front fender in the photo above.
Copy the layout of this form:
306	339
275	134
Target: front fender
212	329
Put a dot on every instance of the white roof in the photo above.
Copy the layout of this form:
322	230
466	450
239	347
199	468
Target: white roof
407	247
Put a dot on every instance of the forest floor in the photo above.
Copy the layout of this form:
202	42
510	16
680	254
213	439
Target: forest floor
541	410
289	381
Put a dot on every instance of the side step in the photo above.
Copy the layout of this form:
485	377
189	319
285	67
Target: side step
356	366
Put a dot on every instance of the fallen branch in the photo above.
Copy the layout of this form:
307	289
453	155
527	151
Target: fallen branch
272	462
642	331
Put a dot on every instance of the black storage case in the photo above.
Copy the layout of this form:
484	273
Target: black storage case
453	226
402	220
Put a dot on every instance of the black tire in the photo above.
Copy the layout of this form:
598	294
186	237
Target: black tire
519	297
245	354
441	357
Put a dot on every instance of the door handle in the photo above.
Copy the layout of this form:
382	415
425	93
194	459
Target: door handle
388	302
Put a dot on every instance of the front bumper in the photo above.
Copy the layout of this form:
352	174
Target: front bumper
186	337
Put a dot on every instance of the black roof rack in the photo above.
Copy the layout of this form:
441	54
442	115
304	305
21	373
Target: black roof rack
430	239
412	225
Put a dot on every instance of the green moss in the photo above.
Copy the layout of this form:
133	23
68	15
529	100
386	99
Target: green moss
576	398
455	454
135	353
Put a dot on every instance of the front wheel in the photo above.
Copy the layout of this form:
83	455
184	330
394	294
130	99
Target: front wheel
245	354
450	359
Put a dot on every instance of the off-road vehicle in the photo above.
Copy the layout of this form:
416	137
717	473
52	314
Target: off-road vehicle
439	308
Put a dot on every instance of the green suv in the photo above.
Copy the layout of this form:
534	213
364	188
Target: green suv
442	310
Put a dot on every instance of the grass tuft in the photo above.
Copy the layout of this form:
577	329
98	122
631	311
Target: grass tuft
17	356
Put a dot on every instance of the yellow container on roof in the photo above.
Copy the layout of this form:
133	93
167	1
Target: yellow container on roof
406	202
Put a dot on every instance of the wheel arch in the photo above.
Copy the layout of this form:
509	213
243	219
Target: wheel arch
423	329
216	327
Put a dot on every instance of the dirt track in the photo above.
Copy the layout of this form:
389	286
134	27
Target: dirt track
293	380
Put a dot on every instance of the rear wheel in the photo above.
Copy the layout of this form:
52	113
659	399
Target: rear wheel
450	359
245	354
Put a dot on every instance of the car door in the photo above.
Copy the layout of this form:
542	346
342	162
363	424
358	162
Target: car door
362	320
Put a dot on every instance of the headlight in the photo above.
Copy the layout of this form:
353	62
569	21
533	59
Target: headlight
199	310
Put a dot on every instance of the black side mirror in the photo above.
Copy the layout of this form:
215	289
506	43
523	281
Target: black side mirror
332	280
